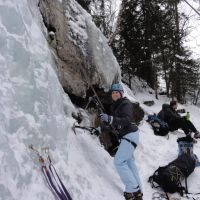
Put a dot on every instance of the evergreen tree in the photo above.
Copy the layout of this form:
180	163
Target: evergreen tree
103	13
137	33
127	43
149	44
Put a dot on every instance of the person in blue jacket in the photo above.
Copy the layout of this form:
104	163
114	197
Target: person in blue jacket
121	120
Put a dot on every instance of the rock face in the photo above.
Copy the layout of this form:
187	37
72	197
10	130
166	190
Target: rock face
67	55
81	53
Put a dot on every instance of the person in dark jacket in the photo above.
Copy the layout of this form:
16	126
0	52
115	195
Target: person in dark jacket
176	121
121	120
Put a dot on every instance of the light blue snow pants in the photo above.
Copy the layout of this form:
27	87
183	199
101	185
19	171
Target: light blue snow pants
125	163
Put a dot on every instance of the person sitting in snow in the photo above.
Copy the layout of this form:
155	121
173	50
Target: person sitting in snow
121	120
175	121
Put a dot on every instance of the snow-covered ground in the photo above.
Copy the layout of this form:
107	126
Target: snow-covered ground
97	176
35	110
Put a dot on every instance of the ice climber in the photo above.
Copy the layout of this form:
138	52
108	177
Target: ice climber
121	120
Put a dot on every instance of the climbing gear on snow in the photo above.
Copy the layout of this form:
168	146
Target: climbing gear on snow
50	175
170	176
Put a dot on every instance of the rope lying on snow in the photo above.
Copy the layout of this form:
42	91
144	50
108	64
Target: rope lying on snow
51	176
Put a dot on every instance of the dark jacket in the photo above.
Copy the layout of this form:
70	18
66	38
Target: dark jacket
123	120
168	114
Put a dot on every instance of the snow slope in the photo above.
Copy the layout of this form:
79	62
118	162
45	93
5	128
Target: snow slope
95	171
35	110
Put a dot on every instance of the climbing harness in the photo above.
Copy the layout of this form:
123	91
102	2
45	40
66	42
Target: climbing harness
133	143
50	174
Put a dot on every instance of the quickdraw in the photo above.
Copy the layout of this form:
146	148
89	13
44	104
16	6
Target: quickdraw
51	176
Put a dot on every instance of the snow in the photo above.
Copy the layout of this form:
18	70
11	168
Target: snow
35	110
31	103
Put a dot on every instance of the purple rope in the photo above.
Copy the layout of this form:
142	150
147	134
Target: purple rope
52	186
53	171
51	177
44	171
64	196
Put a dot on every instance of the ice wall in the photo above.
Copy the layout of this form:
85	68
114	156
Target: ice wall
31	102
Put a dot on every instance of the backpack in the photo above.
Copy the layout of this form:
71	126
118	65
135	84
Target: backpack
185	145
169	177
159	127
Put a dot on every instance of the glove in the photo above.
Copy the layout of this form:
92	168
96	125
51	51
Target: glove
96	131
106	118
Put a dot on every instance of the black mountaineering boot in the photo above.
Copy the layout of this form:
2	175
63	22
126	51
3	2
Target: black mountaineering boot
133	196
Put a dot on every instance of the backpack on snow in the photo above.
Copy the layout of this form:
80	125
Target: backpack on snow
159	127
169	177
185	145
